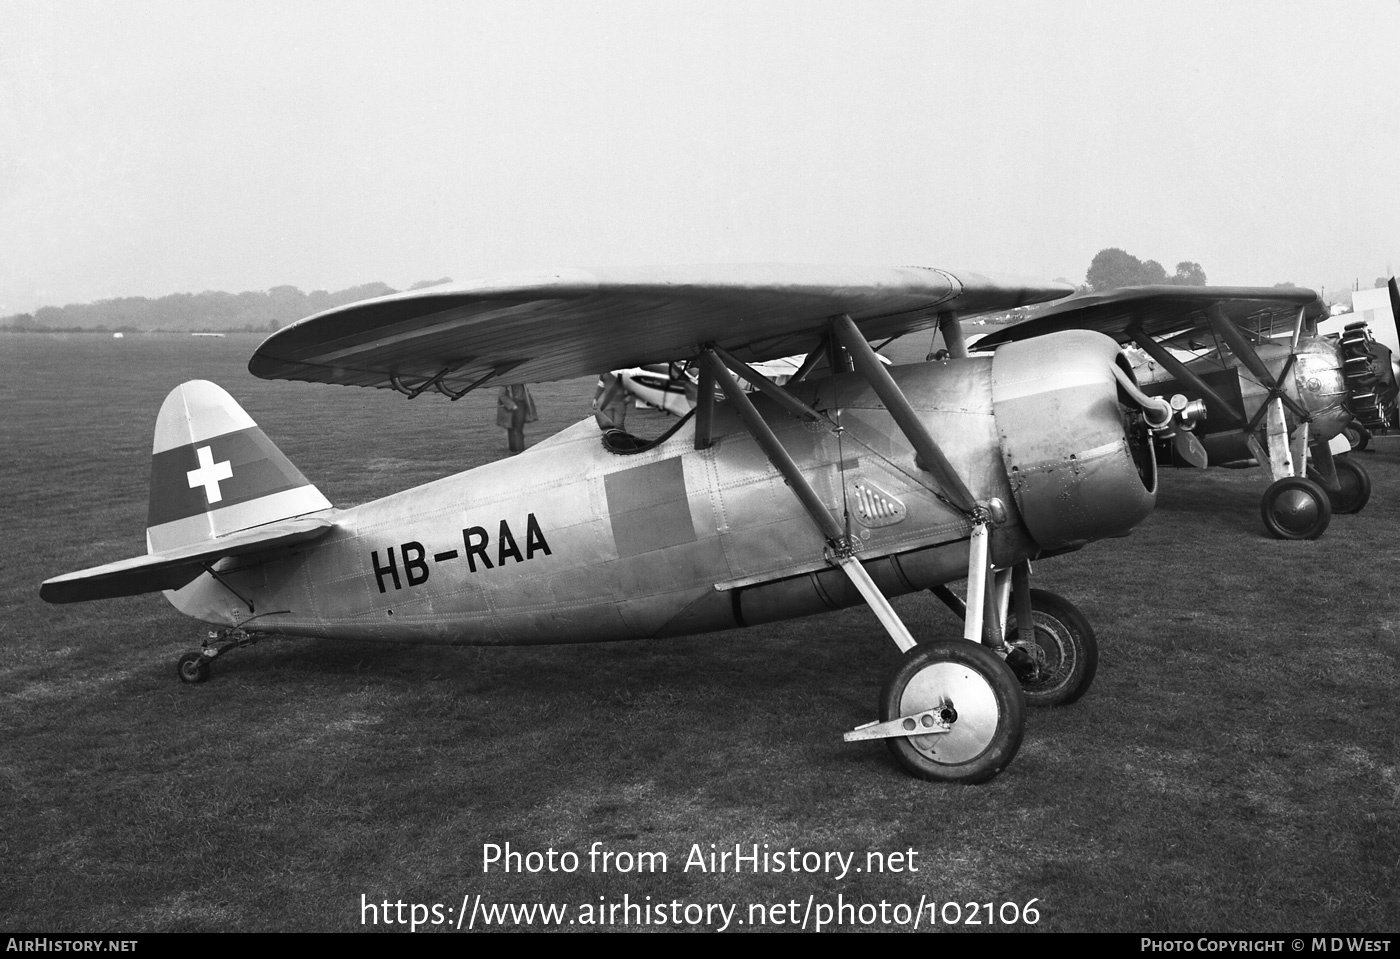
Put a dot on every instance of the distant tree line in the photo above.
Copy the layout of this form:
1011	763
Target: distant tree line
1113	268
210	311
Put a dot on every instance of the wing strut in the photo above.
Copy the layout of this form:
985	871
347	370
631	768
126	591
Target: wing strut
988	591
1231	334
772	447
949	486
704	407
953	337
1183	373
810	363
1299	325
766	386
842	549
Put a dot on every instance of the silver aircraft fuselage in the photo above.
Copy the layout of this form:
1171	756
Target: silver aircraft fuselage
569	542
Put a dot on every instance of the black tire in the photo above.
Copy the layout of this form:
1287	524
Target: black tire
987	711
1357	435
193	667
1295	508
1356	487
1066	655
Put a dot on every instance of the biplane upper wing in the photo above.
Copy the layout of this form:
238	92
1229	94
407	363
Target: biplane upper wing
1164	312
574	323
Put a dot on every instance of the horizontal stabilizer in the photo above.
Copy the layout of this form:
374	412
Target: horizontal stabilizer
175	568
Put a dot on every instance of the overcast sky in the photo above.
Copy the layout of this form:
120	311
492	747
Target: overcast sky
148	148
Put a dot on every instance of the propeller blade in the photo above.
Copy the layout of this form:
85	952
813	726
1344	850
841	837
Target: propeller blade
1395	306
1188	448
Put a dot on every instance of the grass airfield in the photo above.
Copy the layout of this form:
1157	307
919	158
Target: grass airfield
1235	767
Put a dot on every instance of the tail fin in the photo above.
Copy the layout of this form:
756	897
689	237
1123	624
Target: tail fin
214	472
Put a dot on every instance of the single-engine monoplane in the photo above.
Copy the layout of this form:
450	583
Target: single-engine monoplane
850	484
1249	379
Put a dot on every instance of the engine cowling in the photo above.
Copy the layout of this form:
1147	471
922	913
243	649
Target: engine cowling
1076	448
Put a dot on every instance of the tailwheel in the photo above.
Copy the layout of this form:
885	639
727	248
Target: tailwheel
196	666
976	713
1059	666
1296	508
193	667
1355	485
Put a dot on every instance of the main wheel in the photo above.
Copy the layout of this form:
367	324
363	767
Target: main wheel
979	697
1064	656
1295	508
1356	487
1357	435
193	667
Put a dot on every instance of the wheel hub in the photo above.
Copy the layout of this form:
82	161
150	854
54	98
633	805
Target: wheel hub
972	722
1295	510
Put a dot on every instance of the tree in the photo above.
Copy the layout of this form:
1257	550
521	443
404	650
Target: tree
1189	274
1113	268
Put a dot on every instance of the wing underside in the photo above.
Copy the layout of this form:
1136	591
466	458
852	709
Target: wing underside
1168	312
575	323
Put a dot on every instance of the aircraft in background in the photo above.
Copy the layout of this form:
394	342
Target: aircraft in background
670	387
851	483
1369	350
673	386
1240	394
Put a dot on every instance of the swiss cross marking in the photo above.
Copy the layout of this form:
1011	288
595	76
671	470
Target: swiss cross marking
209	474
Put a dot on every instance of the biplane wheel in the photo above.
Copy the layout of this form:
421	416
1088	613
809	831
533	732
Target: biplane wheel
1295	508
981	698
1357	435
1356	487
193	667
1066	654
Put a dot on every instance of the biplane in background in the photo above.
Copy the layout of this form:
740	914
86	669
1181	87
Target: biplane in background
1249	379
853	485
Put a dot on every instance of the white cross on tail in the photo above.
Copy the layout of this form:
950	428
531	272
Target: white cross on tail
209	474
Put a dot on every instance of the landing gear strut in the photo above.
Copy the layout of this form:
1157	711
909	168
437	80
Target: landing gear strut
1353	490
1056	656
1057	665
195	666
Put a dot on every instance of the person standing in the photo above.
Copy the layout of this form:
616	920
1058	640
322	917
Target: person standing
514	408
610	402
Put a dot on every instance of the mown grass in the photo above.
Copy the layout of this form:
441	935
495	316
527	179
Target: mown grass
1235	767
